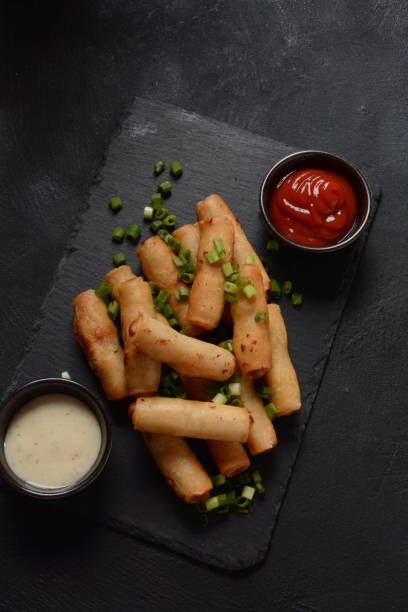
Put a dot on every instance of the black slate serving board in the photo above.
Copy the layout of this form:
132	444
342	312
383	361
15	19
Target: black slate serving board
130	496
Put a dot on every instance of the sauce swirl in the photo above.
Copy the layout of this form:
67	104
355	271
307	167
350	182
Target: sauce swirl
313	207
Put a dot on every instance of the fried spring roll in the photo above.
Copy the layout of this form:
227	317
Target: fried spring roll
206	301
251	341
116	277
230	458
158	266
179	417
189	236
186	355
98	337
180	467
281	377
215	205
262	436
142	372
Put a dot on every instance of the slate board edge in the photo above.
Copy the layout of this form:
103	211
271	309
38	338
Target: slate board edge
132	530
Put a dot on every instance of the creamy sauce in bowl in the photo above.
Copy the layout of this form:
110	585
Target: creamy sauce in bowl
53	440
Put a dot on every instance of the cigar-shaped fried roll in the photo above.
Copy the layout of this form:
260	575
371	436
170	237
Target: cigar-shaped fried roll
215	205
230	458
180	467
251	341
179	417
158	266
186	355
281	377
262	436
116	277
206	302
189	236
98	337
142	372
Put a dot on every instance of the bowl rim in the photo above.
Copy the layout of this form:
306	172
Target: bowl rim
343	242
17	398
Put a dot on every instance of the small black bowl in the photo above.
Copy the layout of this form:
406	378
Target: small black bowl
323	161
18	399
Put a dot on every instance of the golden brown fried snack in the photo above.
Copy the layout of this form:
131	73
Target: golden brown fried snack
98	337
179	417
179	466
215	205
188	356
251	339
281	377
189	236
142	372
262	436
116	277
206	301
158	266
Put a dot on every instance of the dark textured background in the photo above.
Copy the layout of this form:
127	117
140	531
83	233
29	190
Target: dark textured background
321	74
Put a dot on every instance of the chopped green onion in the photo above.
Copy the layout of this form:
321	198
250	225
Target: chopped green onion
219	398
115	204
219	247
176	169
250	259
189	267
248	492
161	213
185	254
173	243
183	332
287	287
212	257
118	234
218	479
65	374
153	288
211	503
222	510
276	291
173	322
156	201
187	277
261	316
227	269
164	188
234	277
155	225
242	502
232	299
240	510
235	388
230	287
163	233
237	402
148	212
256	477
170	220
119	259
272	245
133	233
182	294
158	167
167	310
259	487
249	291
228	345
271	410
296	299
263	392
103	289
178	262
162	297
113	310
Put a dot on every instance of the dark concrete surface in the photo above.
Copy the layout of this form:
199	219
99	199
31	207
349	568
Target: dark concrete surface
310	73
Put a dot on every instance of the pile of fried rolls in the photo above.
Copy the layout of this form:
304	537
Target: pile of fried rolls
132	367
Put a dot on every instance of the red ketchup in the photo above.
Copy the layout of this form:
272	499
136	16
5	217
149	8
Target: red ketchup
313	207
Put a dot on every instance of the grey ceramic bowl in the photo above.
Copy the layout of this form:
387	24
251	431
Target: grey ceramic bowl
324	161
16	401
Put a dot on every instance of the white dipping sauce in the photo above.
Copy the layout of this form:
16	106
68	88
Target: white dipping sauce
53	440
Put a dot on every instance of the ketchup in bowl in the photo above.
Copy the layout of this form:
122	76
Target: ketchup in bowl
312	207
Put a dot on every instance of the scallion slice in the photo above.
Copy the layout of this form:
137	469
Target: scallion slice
148	212
287	287
167	310
261	316
161	213
230	287
133	233
212	257
296	299
248	492
115	204
228	345
272	245
182	294
113	310
187	277
176	169
155	225
158	167
231	299
276	291
219	247
219	398
218	479
119	259
170	220
271	410
118	234
250	259
103	290
249	291
227	269
164	188
235	388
